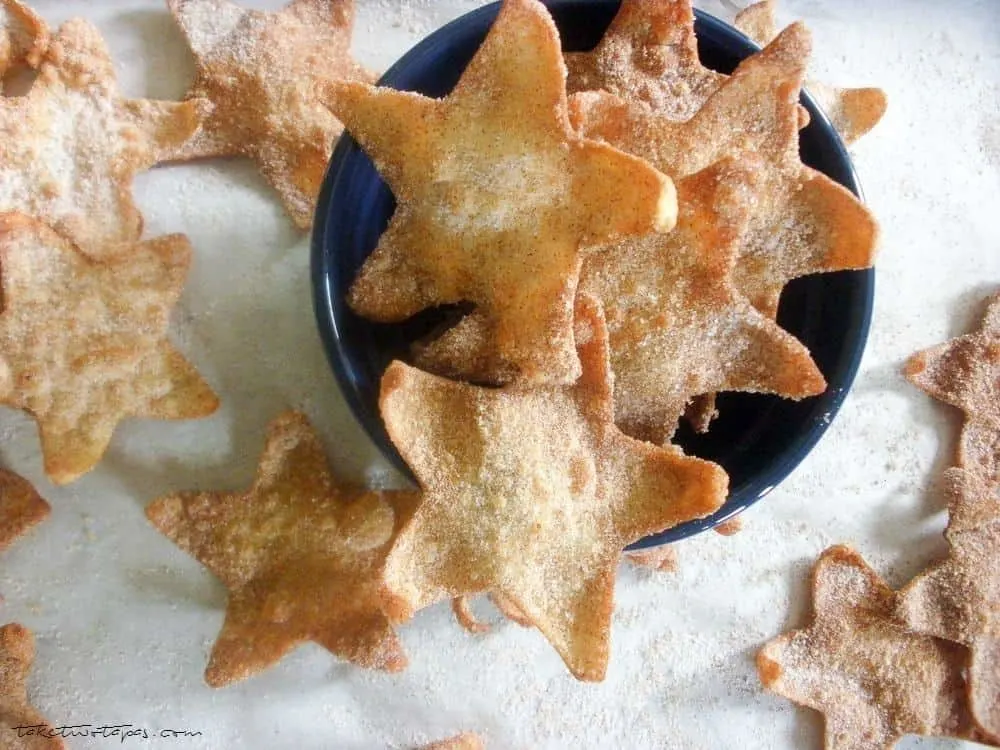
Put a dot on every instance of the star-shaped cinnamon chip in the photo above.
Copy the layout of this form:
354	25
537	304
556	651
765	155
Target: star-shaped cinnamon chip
959	598
83	343
24	36
299	553
497	196
21	726
21	507
873	680
261	72
70	147
965	372
853	112
804	222
532	494
678	326
648	54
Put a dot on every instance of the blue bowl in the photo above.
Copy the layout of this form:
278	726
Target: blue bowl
758	439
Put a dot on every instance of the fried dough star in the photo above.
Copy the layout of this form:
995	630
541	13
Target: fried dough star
853	112
83	343
261	71
804	222
649	54
678	327
959	598
497	195
299	553
873	680
965	372
70	148
24	37
532	494
21	507
17	652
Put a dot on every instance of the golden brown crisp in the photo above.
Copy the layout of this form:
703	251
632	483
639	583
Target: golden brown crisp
853	112
965	372
24	36
873	680
959	598
648	54
83	343
532	494
70	148
21	507
464	741
300	554
677	324
497	196
17	652
261	72
803	222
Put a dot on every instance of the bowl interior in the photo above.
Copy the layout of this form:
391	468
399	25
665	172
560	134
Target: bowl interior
757	439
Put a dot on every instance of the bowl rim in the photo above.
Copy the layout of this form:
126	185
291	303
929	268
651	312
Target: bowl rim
741	496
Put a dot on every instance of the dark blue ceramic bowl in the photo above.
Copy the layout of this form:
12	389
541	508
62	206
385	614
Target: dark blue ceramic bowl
758	439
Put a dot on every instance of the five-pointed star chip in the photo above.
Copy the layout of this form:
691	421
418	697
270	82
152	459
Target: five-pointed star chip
959	598
497	196
853	112
299	553
83	343
21	507
873	680
17	652
24	36
678	326
532	494
261	71
804	222
965	372
70	148
648	54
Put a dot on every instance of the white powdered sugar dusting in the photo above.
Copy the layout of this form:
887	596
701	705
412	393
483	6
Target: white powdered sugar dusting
207	24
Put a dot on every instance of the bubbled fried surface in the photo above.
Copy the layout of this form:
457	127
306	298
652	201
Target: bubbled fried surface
300	554
70	148
532	495
497	198
83	343
854	112
262	72
871	678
